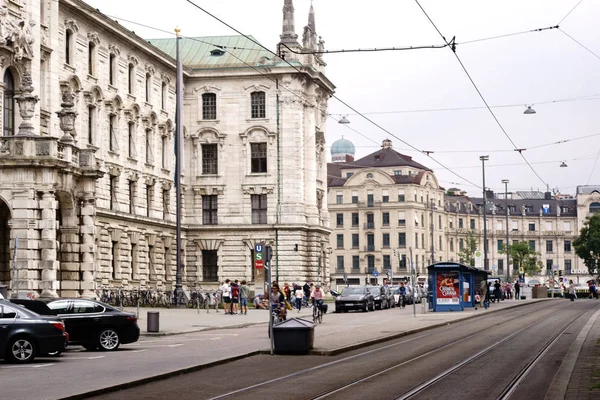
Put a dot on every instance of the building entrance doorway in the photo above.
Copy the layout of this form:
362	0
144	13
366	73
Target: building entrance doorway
5	269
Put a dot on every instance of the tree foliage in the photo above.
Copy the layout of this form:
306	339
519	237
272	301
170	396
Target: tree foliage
587	245
523	257
467	254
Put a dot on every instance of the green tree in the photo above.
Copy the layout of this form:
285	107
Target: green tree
523	257
587	245
467	254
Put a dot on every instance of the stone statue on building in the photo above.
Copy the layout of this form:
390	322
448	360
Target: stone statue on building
16	35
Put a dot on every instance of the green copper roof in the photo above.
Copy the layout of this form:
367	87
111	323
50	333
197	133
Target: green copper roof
196	52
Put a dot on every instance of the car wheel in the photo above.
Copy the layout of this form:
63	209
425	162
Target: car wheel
21	350
108	339
373	307
365	307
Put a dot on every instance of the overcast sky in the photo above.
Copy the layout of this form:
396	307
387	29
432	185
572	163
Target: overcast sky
533	68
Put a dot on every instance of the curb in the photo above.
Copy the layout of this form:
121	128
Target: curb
195	368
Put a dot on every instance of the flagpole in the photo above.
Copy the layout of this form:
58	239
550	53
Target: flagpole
178	141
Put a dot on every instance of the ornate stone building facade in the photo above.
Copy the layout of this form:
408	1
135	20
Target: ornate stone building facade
385	204
87	164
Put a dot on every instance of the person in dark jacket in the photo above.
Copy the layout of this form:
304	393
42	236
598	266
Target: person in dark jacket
517	290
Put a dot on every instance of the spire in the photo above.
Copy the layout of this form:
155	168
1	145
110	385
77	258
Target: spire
288	34
311	19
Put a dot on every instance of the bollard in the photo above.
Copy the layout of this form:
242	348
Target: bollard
423	305
153	319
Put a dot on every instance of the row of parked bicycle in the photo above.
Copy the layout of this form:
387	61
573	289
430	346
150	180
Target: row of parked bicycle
120	297
370	298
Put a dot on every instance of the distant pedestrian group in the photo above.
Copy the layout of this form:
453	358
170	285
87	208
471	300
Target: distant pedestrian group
235	297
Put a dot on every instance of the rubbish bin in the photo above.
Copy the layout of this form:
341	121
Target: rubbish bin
4	291
152	321
294	335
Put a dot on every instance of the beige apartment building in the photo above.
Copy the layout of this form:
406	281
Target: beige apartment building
385	205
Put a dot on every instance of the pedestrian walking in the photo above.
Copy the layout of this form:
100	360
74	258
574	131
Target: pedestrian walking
299	295
287	292
497	291
571	290
517	290
244	292
482	292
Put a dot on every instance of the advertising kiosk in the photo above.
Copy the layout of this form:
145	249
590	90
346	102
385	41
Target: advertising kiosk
453	285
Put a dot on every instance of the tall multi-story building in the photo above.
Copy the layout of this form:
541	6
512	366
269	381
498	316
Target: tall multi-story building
86	154
388	211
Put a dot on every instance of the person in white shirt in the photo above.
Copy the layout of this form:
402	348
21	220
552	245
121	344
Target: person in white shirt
226	296
299	295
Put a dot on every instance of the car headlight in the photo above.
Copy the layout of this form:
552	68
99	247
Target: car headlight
378	298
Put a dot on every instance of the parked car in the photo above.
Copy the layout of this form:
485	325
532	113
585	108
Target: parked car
396	294
534	282
381	296
90	323
354	298
25	335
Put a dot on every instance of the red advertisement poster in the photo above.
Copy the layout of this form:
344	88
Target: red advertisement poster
448	288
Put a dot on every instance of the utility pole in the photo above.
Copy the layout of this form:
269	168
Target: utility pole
432	205
485	247
505	181
412	281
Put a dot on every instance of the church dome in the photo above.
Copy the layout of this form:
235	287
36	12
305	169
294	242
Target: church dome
342	147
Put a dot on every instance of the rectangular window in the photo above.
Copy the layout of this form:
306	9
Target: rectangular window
354	197
130	78
131	135
385	219
210	210
370	242
370	199
567	267
397	172
112	138
422	240
548	246
567	246
339	219
370	221
340	241
112	187
340	263
259	208
354	220
439	222
451	244
386	262
461	244
258	105
440	243
499	226
402	240
500	245
451	223
401	218
515	226
148	87
401	196
531	227
148	199
164	153
339	198
166	198
472	223
386	240
549	264
355	241
532	245
258	152
349	174
403	264
460	223
210	159
91	123
111	68
209	106
355	263
385	196
370	264
416	240
500	266
210	266
149	155
131	197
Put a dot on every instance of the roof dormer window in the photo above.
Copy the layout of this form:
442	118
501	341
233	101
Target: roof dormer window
217	53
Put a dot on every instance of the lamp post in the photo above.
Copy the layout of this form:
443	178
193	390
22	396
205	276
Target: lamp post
505	181
432	225
485	247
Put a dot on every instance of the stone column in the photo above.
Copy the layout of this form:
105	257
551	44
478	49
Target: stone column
49	263
23	224
70	273
87	229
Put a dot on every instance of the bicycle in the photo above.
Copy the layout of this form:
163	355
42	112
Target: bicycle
402	301
317	312
305	303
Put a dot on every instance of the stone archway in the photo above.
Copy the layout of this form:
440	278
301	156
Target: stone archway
5	268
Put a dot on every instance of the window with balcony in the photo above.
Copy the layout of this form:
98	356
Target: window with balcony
339	219
402	240
370	264
209	210
340	263
370	242
385	219
210	159
354	220
370	200
386	240
258	154
355	241
209	106
567	246
340	241
355	263
548	246
387	262
370	221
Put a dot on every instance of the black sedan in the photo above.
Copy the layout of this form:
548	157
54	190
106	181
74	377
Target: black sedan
25	335
90	323
354	298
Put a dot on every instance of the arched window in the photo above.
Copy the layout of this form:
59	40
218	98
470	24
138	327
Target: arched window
594	207
148	87
163	96
130	78
8	118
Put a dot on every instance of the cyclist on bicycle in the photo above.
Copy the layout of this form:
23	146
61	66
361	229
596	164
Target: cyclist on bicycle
317	296
277	301
402	293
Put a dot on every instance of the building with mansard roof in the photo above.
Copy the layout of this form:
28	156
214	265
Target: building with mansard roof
87	193
385	205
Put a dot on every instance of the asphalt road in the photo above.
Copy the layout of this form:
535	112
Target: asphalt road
474	359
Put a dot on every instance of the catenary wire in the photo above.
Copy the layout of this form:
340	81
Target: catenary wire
569	13
580	44
326	89
480	94
593	169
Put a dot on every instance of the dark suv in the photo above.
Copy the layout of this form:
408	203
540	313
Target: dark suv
381	296
354	298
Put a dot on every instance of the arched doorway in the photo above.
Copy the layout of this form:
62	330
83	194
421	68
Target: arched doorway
4	244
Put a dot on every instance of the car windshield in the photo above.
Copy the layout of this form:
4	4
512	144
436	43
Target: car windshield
375	290
352	290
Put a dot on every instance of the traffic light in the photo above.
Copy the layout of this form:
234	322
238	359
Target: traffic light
268	253
560	273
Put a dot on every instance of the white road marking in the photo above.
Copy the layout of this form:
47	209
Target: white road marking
215	338
141	342
85	358
175	345
137	351
26	366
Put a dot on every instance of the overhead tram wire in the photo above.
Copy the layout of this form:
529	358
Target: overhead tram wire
569	13
580	44
480	94
593	168
326	89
